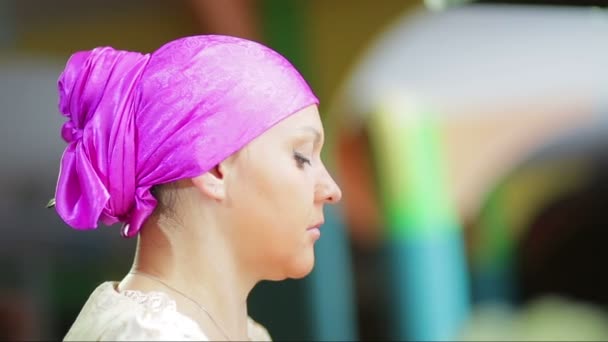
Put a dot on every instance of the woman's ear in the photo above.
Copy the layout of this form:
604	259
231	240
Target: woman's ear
212	183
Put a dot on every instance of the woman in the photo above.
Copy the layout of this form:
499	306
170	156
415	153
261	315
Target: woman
207	150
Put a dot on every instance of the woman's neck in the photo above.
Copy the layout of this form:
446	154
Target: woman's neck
203	269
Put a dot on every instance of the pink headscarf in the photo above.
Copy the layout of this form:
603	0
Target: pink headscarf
138	120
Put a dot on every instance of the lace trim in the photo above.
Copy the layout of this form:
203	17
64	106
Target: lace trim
154	301
157	302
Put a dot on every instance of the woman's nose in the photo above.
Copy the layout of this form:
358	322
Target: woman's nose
328	191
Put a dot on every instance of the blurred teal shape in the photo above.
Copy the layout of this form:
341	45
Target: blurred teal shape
332	283
429	292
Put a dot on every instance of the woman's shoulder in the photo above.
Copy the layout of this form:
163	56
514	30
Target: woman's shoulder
131	315
257	332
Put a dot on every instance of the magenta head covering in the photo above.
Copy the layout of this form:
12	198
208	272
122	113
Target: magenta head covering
138	120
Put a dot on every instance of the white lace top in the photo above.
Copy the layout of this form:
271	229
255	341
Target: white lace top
109	315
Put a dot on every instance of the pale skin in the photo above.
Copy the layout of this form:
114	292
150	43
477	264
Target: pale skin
251	218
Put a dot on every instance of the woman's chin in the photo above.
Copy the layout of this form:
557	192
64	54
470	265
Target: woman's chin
303	266
299	267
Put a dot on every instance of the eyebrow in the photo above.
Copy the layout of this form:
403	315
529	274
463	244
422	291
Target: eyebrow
313	131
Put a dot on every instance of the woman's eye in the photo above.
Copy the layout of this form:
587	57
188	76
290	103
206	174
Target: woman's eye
301	160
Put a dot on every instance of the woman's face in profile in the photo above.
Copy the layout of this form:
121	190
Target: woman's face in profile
277	190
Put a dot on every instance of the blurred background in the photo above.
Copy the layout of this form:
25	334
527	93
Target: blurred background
470	140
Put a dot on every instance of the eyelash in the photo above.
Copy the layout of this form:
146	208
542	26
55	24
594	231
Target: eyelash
301	160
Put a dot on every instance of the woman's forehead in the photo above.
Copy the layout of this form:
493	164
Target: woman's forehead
307	118
303	124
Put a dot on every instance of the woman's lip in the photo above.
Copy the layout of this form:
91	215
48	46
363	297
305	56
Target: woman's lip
316	226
